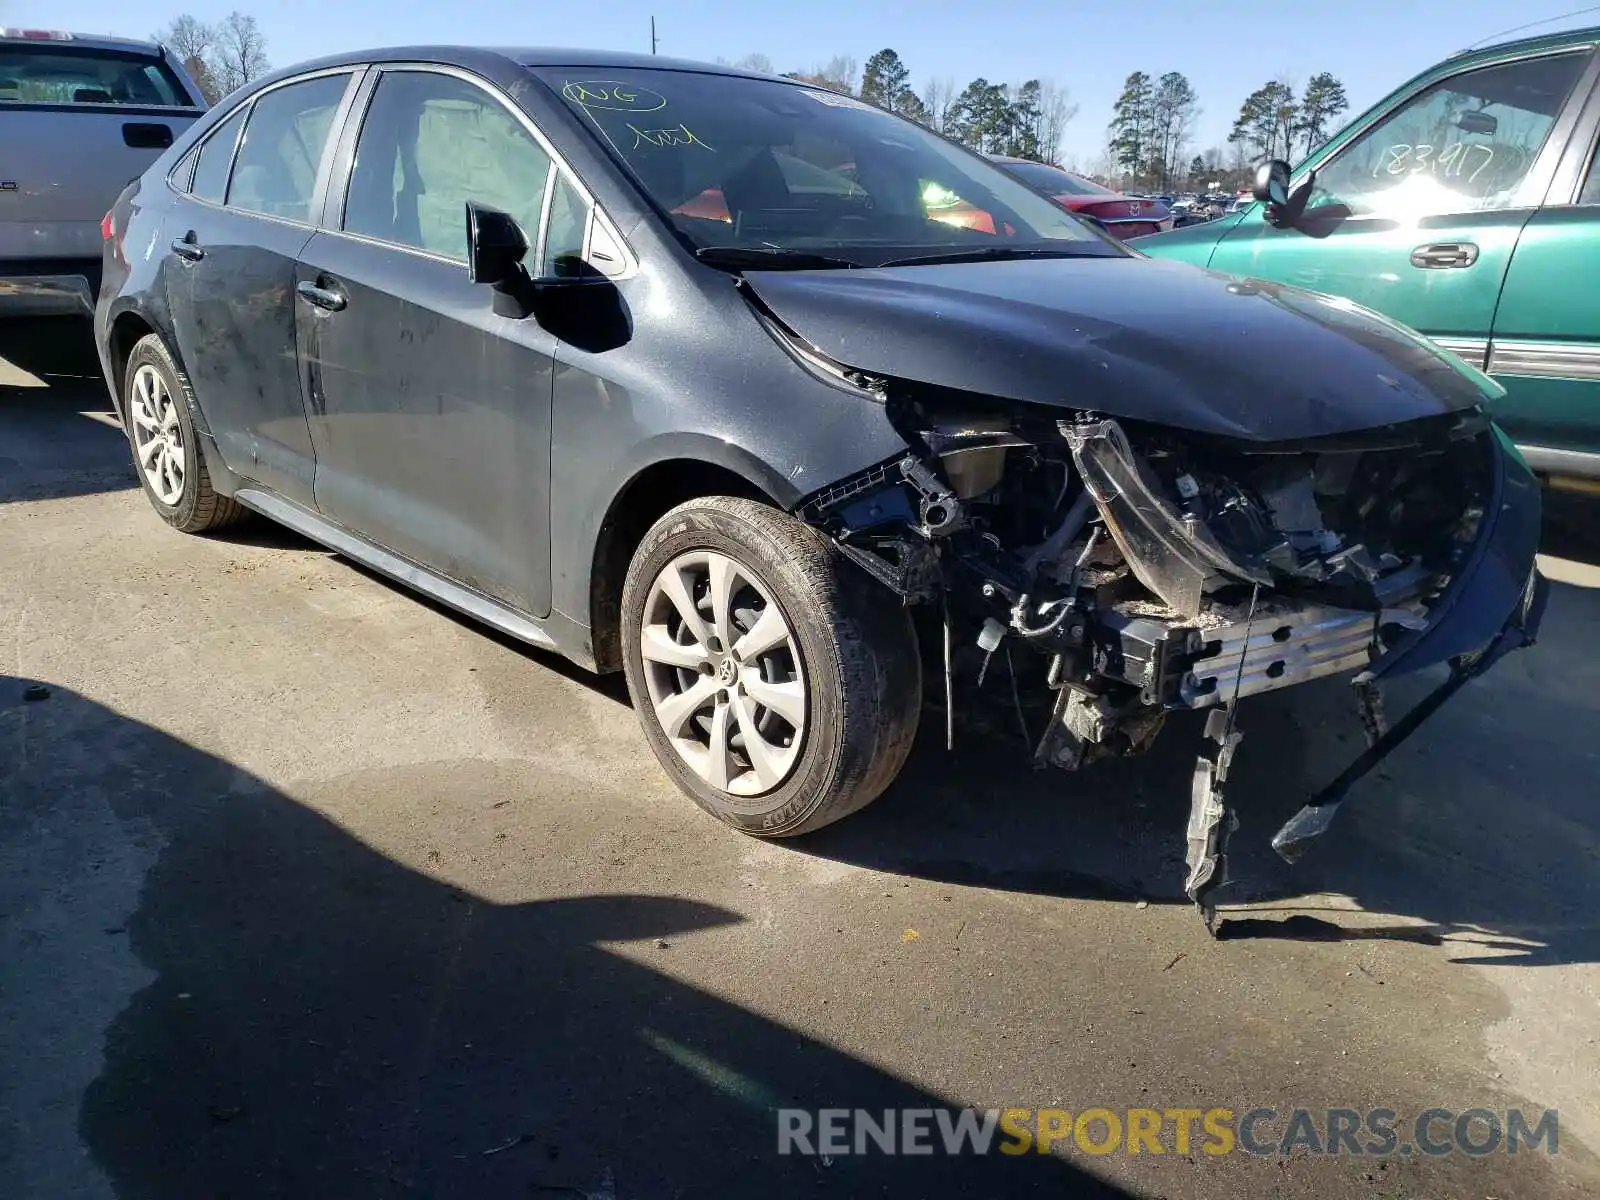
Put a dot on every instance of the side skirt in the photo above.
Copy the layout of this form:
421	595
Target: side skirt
335	537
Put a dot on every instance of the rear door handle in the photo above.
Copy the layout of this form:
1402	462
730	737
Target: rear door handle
147	135
1445	254
186	249
322	297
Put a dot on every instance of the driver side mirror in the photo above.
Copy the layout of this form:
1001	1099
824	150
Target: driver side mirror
496	246
1283	207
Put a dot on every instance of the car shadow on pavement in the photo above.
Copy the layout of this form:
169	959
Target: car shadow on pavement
293	1013
59	435
1483	830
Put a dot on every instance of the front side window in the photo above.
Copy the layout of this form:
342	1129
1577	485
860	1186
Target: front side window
276	169
1591	188
428	144
216	156
1464	145
766	165
569	222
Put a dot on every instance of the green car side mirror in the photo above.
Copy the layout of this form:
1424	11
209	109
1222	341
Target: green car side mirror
1282	206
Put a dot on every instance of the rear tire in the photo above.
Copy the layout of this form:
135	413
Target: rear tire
830	648
167	453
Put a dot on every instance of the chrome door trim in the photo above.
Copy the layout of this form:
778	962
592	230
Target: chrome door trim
1554	461
1545	360
1469	349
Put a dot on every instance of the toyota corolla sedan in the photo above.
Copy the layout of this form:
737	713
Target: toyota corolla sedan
679	371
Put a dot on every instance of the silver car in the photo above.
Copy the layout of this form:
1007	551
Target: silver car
83	117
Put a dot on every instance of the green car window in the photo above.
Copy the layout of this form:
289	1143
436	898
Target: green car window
1591	189
1464	145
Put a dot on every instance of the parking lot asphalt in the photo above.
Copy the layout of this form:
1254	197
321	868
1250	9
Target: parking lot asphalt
311	889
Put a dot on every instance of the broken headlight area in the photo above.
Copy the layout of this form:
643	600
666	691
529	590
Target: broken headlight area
1129	571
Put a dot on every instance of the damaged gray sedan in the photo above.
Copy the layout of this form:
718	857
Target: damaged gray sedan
786	406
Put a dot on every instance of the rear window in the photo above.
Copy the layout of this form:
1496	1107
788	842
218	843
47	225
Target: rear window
54	74
1055	180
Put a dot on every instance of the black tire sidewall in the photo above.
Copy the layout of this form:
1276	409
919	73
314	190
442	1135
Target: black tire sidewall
793	806
150	351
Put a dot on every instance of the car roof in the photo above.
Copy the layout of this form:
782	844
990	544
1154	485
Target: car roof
87	41
521	56
1588	35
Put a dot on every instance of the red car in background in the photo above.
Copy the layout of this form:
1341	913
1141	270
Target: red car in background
1124	216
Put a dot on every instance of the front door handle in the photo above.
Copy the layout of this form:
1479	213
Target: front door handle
1444	254
326	298
186	249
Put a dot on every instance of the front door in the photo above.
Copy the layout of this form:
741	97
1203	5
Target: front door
1418	215
235	241
1546	346
430	413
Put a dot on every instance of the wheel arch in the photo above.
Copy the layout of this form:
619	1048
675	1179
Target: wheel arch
686	470
127	328
123	332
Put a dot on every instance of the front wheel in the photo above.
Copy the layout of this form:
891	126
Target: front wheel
778	685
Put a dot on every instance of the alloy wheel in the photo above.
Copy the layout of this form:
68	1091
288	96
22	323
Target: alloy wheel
157	435
724	673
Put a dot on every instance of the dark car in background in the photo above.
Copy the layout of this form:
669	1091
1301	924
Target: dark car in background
681	371
79	117
1125	216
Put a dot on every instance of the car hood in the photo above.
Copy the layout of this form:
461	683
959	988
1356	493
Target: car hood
1135	338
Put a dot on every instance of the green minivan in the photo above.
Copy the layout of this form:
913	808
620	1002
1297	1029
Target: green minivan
1465	204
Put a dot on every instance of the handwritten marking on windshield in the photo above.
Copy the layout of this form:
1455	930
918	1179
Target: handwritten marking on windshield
1451	162
676	135
615	95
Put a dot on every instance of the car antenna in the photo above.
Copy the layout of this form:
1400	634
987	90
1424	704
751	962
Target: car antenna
1577	12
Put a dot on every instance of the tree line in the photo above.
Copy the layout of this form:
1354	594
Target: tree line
1026	120
1152	128
1272	123
1149	138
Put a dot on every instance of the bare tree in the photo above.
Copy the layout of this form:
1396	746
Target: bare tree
240	54
1055	110
755	62
191	42
939	98
840	72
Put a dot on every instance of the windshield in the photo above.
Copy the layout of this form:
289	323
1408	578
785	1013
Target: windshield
1055	180
773	167
49	74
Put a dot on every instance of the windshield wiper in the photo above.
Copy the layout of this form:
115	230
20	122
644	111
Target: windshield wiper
768	258
982	254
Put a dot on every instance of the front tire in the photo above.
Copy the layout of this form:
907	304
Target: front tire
166	450
778	685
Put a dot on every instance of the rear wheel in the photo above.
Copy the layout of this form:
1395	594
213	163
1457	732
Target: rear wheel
166	450
778	685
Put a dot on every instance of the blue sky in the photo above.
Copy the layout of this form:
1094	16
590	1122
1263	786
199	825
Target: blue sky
1226	50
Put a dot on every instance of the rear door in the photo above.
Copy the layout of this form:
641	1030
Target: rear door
77	124
1546	346
258	178
431	413
1418	214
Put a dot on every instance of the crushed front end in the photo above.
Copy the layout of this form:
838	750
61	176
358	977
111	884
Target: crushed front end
1128	571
